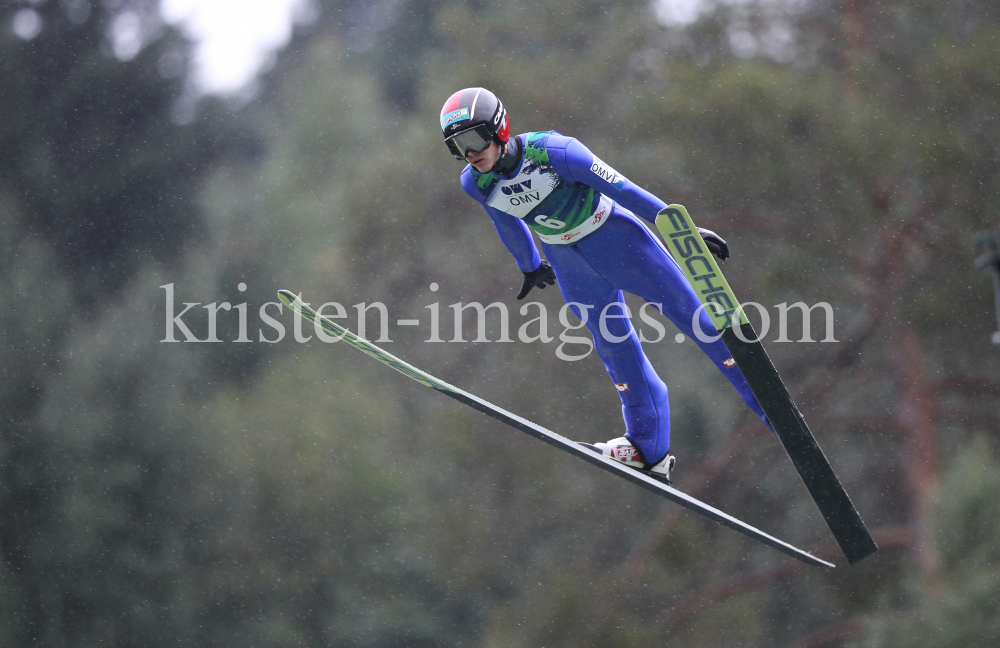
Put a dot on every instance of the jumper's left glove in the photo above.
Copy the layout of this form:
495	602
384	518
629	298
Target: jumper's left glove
540	277
715	243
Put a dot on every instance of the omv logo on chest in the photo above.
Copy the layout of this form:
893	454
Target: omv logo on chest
520	193
517	187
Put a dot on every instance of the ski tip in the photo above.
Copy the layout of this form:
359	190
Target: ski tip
287	297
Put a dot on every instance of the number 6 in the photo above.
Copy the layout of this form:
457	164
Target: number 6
545	221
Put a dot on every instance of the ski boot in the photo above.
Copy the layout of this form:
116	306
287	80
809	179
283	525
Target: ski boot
621	449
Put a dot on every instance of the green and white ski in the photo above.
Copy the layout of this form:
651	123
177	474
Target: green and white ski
686	246
537	431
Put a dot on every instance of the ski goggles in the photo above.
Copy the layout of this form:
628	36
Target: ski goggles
472	140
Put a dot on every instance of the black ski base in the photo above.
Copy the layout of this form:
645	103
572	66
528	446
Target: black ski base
832	500
614	467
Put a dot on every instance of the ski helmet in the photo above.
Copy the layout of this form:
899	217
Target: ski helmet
471	119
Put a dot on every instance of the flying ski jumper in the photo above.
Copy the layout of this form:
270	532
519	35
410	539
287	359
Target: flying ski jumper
584	212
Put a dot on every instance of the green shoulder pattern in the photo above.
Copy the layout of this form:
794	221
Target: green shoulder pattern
534	148
483	180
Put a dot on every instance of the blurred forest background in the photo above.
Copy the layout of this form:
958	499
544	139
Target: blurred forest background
286	494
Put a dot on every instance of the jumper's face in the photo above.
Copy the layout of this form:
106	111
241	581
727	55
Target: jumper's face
485	159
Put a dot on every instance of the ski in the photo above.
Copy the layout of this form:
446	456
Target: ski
299	307
699	265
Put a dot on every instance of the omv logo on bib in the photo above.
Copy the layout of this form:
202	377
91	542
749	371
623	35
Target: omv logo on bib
516	188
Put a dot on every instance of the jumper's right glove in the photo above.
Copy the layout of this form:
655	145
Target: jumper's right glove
540	277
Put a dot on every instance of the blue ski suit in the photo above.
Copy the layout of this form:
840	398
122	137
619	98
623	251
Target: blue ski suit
585	215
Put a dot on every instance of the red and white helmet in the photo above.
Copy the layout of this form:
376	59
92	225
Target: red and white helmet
471	119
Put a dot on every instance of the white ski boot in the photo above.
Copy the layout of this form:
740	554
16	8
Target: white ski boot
622	449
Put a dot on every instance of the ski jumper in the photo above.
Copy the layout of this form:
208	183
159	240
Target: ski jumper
585	215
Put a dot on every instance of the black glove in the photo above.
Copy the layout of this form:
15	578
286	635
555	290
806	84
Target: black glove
540	277
716	244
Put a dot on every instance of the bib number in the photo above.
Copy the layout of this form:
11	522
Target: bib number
551	223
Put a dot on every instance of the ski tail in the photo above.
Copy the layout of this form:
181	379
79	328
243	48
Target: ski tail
811	463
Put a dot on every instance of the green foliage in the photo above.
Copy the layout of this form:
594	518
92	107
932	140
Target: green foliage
88	198
299	494
957	606
78	139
